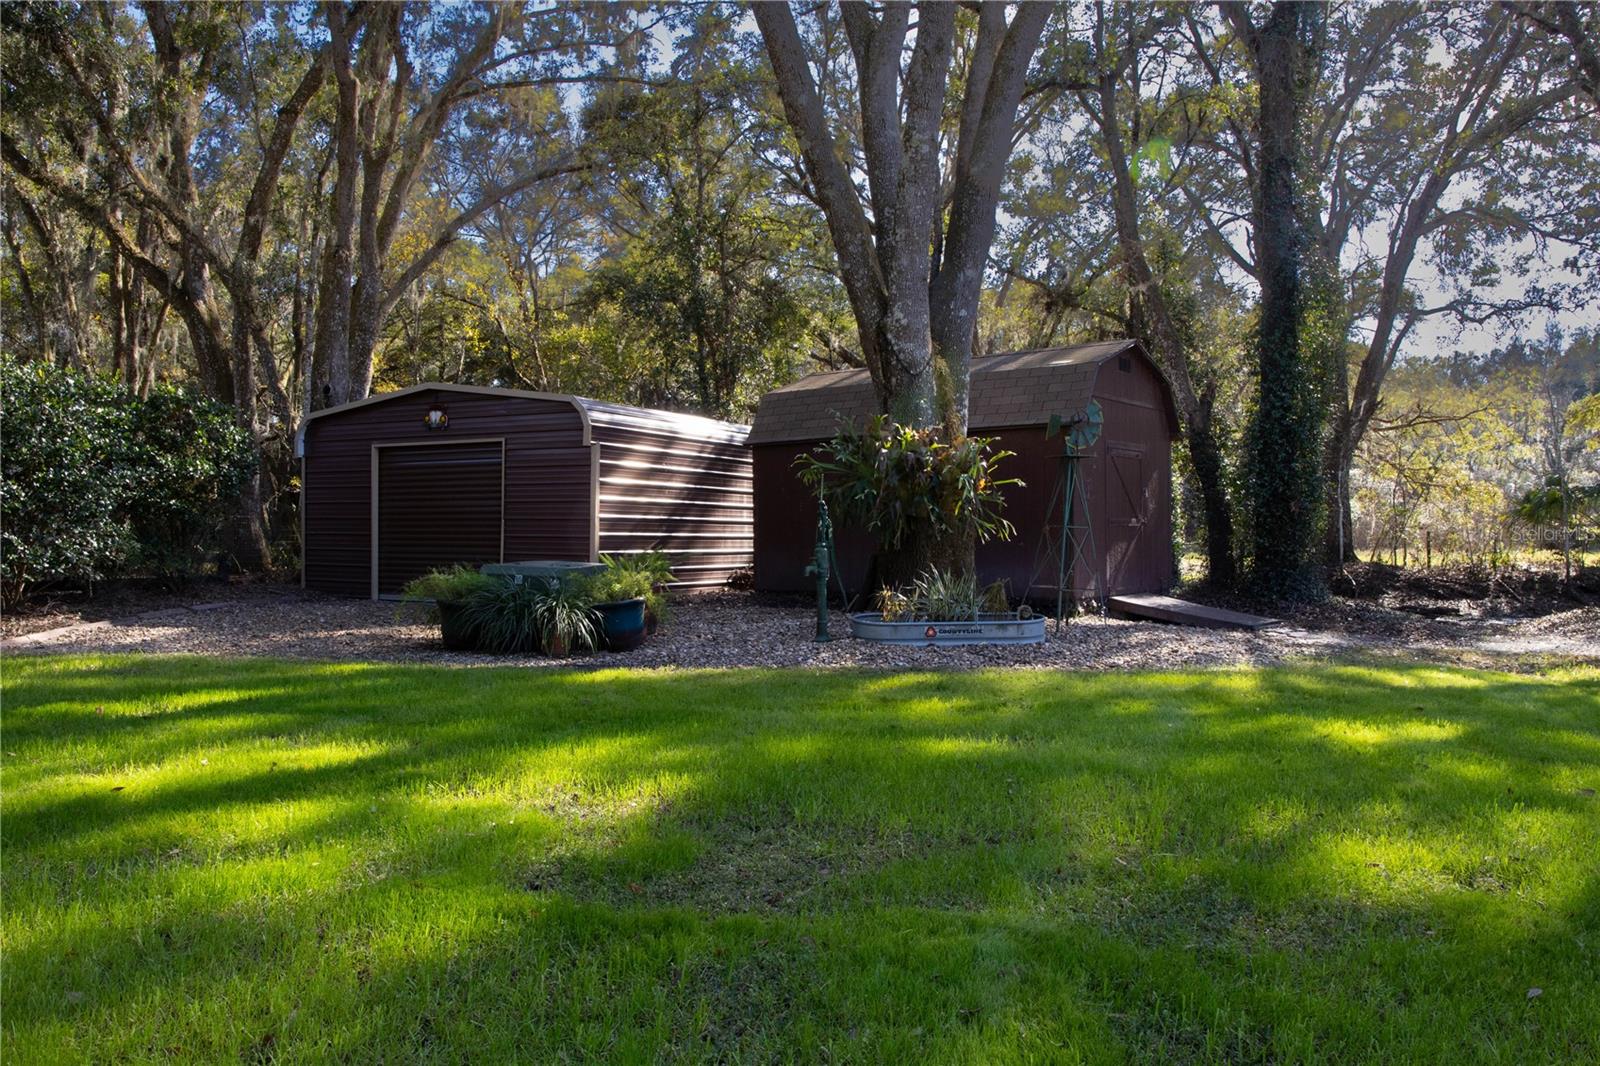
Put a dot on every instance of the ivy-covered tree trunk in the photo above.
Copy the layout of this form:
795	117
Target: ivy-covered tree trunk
1286	433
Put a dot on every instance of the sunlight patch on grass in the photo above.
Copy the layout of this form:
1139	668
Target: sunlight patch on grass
948	747
1365	734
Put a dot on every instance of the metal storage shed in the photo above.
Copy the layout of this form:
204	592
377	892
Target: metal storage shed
513	475
1128	472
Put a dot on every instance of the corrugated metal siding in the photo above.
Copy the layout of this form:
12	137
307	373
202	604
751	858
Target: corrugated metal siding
548	476
687	496
438	505
671	482
683	427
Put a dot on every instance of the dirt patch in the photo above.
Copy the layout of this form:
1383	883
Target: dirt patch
1469	592
125	601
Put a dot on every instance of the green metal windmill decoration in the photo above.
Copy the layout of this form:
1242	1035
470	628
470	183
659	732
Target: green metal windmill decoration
1071	543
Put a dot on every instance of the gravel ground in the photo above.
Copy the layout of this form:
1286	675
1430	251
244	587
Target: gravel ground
735	629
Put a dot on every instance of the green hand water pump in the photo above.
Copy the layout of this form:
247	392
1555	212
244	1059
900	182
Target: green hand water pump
823	567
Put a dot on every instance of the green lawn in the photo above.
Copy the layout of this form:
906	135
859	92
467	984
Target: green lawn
213	861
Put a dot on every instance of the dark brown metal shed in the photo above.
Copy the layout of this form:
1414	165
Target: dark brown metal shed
1128	472
516	475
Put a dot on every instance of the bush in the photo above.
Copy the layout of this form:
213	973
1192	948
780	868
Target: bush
96	483
192	461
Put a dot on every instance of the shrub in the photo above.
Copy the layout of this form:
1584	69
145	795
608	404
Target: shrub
192	462
96	483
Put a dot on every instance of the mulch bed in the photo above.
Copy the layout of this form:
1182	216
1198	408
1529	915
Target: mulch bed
737	629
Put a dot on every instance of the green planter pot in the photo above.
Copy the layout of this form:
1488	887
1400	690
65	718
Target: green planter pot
457	633
622	624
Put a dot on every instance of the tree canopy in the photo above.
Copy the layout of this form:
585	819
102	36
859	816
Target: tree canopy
286	206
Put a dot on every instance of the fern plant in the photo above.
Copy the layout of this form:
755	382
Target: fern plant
657	574
452	585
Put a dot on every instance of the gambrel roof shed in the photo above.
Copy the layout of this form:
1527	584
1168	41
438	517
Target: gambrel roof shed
1127	473
1013	389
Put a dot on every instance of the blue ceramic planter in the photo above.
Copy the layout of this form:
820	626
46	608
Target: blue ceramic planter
622	624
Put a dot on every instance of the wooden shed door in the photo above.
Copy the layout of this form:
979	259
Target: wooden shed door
438	504
1127	511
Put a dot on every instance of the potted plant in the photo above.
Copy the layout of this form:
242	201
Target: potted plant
550	617
449	589
565	620
946	608
657	574
619	595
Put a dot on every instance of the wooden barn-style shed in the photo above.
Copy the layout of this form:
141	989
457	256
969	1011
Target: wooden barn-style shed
1128	472
437	474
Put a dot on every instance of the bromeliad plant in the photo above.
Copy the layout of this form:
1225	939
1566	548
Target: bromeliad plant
891	478
942	596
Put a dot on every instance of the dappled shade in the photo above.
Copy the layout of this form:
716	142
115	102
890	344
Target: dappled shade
211	859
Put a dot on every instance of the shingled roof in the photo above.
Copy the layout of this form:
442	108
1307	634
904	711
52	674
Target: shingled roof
1014	389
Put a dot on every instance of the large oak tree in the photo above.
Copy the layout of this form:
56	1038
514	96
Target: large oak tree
912	249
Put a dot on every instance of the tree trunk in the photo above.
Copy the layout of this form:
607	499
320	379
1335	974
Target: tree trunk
1285	438
1150	307
1205	454
332	341
916	318
994	85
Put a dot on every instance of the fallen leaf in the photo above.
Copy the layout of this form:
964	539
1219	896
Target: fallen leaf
635	887
118	788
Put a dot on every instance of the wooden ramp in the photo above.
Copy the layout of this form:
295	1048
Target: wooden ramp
1183	613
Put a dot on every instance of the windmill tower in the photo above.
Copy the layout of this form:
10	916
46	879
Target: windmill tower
1068	539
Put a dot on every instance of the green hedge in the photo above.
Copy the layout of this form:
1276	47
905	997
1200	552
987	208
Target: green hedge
97	483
